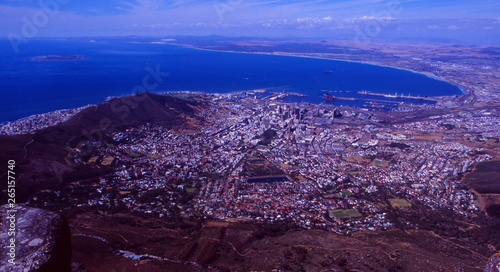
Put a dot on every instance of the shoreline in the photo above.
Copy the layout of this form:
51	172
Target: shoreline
462	89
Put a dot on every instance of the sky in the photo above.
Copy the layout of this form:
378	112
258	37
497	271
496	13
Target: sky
447	20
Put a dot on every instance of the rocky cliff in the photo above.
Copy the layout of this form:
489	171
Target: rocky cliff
494	264
34	240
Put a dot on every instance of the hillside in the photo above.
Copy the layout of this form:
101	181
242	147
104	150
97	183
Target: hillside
46	158
246	246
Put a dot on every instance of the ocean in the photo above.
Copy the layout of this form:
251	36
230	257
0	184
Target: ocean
31	86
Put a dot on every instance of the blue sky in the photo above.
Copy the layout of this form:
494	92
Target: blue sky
391	19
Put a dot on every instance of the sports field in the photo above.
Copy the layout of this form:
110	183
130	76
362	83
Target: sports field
342	214
399	203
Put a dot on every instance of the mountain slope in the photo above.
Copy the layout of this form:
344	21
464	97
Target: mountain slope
43	158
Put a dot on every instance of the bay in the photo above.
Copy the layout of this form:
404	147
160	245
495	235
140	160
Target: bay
31	86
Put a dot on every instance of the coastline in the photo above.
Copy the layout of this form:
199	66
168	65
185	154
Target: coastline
430	75
462	89
23	126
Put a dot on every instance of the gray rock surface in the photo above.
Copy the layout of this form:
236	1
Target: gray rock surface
494	264
34	240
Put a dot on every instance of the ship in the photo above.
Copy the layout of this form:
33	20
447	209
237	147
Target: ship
328	72
329	97
391	95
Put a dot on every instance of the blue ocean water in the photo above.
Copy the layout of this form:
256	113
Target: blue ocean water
115	68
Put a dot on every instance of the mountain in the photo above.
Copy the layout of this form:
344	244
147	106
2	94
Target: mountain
44	159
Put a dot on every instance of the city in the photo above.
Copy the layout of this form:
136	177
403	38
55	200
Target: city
335	162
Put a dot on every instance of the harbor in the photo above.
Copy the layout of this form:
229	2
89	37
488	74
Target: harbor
396	95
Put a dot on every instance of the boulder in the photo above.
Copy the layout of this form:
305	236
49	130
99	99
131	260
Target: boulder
34	240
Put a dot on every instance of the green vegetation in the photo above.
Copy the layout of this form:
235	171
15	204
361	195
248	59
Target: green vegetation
347	193
484	179
357	159
188	250
399	145
343	214
259	166
380	163
448	126
481	231
155	156
267	137
107	161
134	155
399	203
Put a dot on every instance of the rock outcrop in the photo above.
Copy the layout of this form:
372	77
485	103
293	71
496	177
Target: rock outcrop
494	264
34	240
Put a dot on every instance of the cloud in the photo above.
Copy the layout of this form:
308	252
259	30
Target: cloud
313	18
368	18
301	23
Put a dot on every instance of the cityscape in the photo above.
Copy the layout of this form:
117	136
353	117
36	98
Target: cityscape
248	158
230	135
331	166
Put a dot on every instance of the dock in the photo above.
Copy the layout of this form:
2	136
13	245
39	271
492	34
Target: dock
409	96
